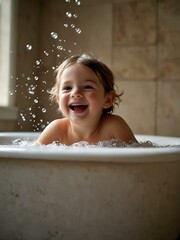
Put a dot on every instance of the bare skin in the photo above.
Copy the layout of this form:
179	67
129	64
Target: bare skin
81	99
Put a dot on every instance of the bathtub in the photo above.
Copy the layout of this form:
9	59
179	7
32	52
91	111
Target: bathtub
89	193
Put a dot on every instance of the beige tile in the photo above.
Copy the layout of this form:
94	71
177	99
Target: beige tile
96	25
138	105
135	63
169	62
168	108
134	23
169	22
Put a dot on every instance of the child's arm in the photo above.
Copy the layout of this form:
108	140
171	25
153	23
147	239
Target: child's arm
51	133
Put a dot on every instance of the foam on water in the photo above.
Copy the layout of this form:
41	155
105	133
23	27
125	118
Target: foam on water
112	143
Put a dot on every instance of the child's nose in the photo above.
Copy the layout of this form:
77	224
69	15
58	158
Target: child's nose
76	93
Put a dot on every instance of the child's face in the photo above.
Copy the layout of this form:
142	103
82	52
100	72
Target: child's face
81	94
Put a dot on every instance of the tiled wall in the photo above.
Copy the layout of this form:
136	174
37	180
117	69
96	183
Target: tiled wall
140	42
146	62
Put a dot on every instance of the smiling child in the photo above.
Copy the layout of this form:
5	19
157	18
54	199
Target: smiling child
84	91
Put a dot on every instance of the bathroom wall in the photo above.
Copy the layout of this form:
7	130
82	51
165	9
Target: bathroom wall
139	40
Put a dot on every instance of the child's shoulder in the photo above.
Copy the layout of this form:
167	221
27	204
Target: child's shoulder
112	118
118	128
59	124
54	131
60	121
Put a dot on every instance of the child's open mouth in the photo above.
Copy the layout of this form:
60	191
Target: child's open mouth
78	107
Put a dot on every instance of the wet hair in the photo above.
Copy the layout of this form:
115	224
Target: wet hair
103	73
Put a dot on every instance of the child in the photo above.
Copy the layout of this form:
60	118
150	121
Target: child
84	91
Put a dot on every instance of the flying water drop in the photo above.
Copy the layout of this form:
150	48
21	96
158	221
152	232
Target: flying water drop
78	30
69	14
29	47
77	2
46	53
54	35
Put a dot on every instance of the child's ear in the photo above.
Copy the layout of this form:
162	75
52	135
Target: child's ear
109	99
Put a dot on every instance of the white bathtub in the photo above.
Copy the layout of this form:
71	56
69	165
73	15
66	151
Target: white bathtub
89	193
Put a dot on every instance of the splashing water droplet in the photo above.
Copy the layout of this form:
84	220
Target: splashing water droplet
23	117
29	47
32	89
77	2
43	126
54	35
35	100
38	62
75	15
60	47
68	14
65	25
46	53
36	78
72	25
43	110
78	30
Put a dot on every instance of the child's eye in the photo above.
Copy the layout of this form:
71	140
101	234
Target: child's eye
67	88
88	87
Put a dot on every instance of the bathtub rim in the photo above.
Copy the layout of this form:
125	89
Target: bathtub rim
165	154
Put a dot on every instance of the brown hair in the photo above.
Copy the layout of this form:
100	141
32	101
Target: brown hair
103	73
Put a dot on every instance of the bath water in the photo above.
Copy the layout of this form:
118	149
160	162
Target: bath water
112	143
